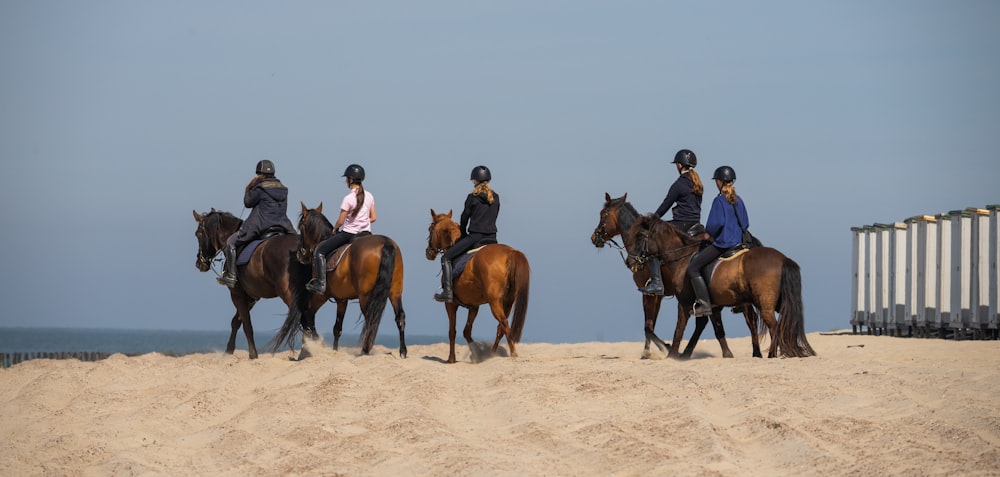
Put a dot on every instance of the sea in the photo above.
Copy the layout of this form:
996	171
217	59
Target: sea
76	341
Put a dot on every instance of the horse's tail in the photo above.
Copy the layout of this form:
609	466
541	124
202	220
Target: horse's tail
379	294
791	330
518	283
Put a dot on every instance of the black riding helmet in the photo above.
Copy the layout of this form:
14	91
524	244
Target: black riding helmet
481	174
355	172
265	167
686	158
725	174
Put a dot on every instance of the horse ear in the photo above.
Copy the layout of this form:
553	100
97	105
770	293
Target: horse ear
197	216
607	197
213	210
319	208
304	208
625	196
449	212
433	214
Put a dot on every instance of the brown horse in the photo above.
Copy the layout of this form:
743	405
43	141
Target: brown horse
497	274
616	218
271	272
762	277
371	271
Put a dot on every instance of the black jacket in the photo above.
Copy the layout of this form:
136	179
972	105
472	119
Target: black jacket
687	205
479	216
268	200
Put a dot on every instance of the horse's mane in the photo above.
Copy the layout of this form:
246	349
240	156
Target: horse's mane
222	217
316	223
626	215
660	230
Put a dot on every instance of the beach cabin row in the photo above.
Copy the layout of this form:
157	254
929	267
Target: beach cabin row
931	275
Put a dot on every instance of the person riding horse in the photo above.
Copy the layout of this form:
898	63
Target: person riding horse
478	223
725	223
684	196
357	213
267	198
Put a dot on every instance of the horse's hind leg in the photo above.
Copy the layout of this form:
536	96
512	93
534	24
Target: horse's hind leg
700	322
503	329
397	307
720	332
338	326
752	319
772	325
236	323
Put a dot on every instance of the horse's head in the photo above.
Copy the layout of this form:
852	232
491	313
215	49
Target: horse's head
442	234
314	228
214	227
652	237
609	225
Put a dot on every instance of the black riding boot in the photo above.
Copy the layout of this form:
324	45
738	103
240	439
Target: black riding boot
446	295
318	282
655	285
702	302
228	277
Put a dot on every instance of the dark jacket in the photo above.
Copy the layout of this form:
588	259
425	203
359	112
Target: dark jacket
688	205
268	200
479	216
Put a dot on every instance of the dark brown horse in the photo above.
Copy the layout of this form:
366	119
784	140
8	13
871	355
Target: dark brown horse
497	274
271	272
762	277
371	271
616	218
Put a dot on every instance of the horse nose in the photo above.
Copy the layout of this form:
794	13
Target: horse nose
595	239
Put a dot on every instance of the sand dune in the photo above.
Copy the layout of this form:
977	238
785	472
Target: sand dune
865	406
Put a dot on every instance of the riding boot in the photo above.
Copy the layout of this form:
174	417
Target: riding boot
228	277
702	302
318	282
655	285
447	294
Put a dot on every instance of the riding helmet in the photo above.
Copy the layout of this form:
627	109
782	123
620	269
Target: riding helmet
725	174
686	158
265	167
481	174
355	172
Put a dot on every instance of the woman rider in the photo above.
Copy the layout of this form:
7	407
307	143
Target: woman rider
684	196
723	224
267	198
357	213
479	222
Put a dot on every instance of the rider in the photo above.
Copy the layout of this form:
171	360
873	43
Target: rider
267	198
684	196
357	213
479	222
723	224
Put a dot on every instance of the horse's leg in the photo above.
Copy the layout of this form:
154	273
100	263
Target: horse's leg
467	331
452	309
750	315
397	308
682	318
651	309
720	332
503	328
338	326
243	305
767	314
236	323
700	322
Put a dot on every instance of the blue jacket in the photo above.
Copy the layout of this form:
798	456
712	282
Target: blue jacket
721	223
687	205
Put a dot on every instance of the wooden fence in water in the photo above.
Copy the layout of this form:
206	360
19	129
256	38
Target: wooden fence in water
930	275
9	359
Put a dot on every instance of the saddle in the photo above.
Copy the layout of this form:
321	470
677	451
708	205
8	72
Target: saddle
334	258
708	270
244	253
458	266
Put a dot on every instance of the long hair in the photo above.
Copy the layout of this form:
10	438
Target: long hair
697	187
729	190
359	194
483	189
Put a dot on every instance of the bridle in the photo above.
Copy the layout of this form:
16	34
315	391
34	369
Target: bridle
601	232
205	259
432	252
638	260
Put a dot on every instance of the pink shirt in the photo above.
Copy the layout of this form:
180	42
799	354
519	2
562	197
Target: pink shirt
362	221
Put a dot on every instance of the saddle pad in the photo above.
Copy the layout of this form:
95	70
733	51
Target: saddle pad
730	254
244	256
336	256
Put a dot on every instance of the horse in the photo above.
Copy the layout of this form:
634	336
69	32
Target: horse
497	274
370	270
271	272
616	218
761	277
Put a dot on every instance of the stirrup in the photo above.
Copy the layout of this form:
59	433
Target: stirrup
315	287
701	308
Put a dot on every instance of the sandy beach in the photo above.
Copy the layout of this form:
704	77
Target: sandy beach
864	406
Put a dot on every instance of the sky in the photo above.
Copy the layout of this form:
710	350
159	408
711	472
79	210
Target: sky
120	118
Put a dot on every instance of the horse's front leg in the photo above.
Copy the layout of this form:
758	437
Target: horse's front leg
236	323
683	312
338	325
243	305
651	309
700	322
452	310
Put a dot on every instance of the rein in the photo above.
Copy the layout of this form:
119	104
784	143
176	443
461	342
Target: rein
642	244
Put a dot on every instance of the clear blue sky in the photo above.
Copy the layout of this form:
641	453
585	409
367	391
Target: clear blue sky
118	118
